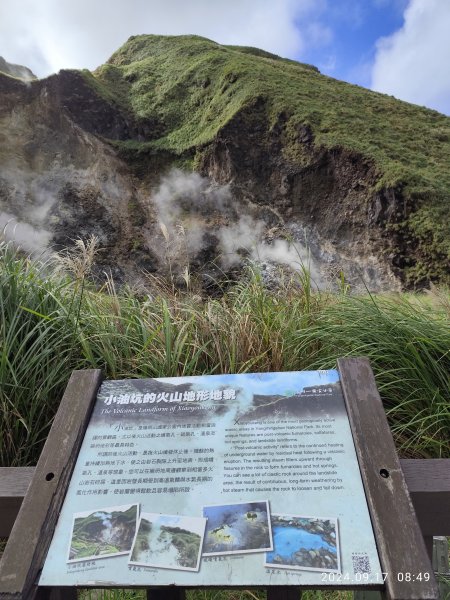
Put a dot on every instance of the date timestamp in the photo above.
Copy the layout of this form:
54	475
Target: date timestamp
413	576
353	577
372	577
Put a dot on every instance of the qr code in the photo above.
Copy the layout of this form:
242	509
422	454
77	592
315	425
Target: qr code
361	563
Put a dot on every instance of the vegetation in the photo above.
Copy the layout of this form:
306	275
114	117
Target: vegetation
51	323
194	86
188	88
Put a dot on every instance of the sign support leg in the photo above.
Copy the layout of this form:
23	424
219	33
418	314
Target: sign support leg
283	593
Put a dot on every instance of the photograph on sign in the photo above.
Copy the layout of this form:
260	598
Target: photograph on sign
103	533
248	479
237	528
168	542
308	543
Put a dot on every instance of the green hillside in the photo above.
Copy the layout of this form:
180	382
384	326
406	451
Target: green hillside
187	88
195	86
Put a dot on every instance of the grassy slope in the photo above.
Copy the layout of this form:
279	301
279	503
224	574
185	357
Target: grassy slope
194	86
166	76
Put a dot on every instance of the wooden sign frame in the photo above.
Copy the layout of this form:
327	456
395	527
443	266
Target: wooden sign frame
400	544
33	529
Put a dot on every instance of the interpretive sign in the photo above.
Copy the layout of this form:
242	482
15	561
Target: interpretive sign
220	480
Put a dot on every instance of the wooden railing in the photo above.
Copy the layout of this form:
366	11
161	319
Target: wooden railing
428	483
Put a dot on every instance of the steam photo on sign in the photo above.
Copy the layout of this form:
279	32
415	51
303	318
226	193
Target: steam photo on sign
308	543
237	528
103	532
168	542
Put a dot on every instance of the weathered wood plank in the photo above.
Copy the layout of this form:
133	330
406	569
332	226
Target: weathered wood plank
14	484
400	543
14	481
31	535
428	482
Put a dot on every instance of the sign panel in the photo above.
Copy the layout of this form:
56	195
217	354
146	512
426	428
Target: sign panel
220	480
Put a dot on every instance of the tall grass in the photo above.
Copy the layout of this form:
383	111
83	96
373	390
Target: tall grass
37	342
52	323
408	345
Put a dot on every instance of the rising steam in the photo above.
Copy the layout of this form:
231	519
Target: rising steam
198	222
32	239
192	211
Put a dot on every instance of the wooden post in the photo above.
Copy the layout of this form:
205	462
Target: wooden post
32	533
168	593
401	547
64	593
441	566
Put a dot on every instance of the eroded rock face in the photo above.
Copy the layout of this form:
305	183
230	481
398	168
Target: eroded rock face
59	181
62	177
326	197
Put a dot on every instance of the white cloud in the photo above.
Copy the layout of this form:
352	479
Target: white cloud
52	34
412	64
318	34
328	65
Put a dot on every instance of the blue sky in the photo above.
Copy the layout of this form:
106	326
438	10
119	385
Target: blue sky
354	27
399	47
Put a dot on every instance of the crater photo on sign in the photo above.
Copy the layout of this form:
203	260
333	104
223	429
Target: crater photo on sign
304	543
168	542
103	533
237	528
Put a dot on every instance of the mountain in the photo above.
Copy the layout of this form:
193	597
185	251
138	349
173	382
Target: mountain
181	154
17	71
